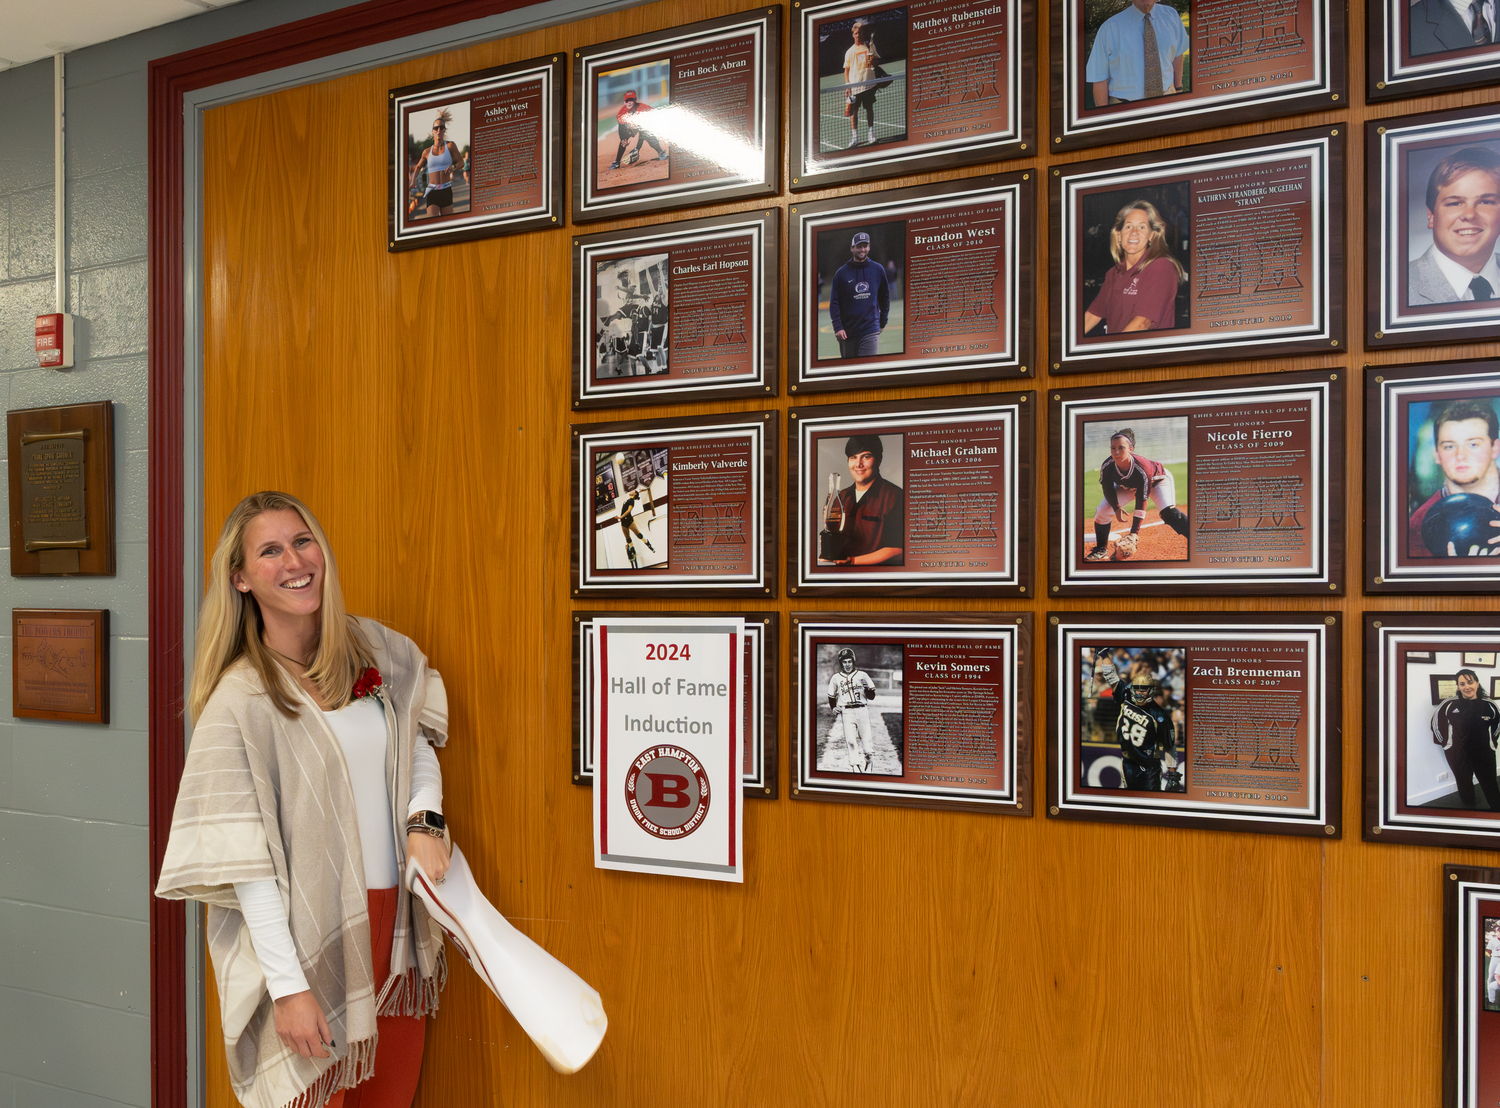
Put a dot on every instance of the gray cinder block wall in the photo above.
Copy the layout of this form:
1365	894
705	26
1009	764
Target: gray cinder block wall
74	954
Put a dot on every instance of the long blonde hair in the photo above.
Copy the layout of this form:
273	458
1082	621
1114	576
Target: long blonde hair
230	624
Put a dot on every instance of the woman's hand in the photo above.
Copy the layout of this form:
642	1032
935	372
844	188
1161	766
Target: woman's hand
301	1026
430	851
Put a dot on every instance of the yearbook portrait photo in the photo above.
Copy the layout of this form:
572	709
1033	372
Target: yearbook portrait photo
860	715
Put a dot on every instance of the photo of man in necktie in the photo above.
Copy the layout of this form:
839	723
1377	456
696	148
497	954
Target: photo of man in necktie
1137	53
1463	221
1440	26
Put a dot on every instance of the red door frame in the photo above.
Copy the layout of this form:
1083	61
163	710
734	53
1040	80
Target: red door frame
168	80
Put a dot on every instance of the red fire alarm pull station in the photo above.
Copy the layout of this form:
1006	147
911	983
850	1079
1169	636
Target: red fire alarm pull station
54	340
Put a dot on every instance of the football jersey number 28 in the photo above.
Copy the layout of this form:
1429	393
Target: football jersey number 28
1136	733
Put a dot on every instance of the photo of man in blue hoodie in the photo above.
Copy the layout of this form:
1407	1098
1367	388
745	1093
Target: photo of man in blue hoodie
859	303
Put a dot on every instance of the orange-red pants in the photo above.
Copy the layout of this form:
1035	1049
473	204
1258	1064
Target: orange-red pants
398	1058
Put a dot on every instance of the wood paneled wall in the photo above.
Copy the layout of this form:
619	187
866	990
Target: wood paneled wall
874	956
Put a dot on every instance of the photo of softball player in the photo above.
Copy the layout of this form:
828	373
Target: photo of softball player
631	312
630	526
1138	517
629	148
860	708
1132	702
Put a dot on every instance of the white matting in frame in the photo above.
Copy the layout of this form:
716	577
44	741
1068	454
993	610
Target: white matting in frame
1471	986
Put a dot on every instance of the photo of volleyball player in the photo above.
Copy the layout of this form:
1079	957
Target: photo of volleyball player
1134	728
631	308
629	146
859	715
437	160
630	508
1134	471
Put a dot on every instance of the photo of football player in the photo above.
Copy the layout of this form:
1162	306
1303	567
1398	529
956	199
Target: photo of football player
632	111
860	711
1452	479
631	307
630	526
1136	696
1128	479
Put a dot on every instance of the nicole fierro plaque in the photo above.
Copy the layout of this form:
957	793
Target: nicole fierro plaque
678	118
913	286
1224	720
675	507
1432	275
912	497
1229	251
1228	484
762	706
896	89
477	155
1431	713
60	664
1216	62
914	708
1432	489
681	310
1420	46
1471	986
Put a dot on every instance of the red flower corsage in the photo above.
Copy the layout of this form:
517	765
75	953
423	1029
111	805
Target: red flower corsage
369	684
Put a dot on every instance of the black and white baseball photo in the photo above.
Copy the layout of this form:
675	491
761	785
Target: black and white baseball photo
860	708
631	313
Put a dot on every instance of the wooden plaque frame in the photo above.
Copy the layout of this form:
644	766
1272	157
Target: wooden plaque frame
61	655
97	421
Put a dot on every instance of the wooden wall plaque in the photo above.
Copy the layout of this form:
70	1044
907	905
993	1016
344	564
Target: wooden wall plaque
60	664
62	490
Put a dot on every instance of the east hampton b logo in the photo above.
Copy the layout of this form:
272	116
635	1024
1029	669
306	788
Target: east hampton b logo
666	791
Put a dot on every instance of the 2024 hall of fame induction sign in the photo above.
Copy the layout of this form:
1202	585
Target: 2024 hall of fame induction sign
919	709
667	696
1232	484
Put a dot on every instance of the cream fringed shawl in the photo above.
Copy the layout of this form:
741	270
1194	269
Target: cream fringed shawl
266	796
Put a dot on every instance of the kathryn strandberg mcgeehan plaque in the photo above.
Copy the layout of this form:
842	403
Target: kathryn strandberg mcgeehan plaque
1229	484
914	708
927	284
762	713
60	666
1226	251
1222	720
1218	62
894	89
675	506
911	497
686	310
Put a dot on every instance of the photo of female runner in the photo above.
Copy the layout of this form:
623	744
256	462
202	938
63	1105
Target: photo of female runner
442	160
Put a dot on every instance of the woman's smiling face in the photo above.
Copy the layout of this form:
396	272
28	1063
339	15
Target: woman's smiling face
283	567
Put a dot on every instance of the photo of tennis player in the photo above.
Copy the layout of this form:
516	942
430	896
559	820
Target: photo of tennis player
1135	243
864	509
1132	702
1453	223
1451	728
631	312
861	290
862	94
437	160
1452	483
630	508
629	149
859	708
1138	476
1136	50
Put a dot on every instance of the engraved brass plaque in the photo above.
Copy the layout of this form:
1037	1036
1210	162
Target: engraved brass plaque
54	513
60	664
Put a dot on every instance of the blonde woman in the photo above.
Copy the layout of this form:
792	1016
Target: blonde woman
310	780
442	160
1140	289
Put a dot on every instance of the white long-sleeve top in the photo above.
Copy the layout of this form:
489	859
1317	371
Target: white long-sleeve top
360	730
